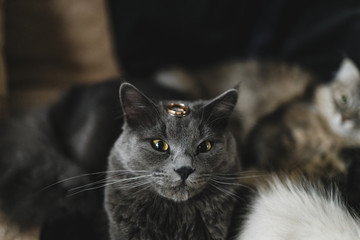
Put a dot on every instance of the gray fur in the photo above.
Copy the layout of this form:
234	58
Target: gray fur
145	197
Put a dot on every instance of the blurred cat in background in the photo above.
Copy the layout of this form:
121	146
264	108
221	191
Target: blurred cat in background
339	102
298	111
263	86
311	131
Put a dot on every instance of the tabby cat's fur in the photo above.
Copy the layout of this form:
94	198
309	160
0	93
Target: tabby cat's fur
339	103
311	132
263	86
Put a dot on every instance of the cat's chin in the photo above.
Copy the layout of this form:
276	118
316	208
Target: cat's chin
179	193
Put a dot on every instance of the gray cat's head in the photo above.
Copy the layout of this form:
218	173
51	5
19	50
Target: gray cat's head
178	154
345	92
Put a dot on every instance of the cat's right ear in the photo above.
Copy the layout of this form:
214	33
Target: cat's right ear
219	110
137	108
348	72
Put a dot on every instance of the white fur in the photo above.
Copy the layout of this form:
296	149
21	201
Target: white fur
348	71
293	211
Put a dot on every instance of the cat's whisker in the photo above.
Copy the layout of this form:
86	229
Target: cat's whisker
226	183
133	184
137	177
85	190
130	178
89	185
108	179
238	177
143	189
129	171
247	172
226	192
92	174
231	184
72	178
107	182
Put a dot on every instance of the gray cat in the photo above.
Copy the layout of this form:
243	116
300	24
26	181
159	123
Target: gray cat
171	172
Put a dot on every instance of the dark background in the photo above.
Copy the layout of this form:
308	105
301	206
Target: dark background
49	45
315	34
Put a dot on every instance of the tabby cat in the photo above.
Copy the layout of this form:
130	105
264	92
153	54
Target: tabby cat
339	102
263	86
313	130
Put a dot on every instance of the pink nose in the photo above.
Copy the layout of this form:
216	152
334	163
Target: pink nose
345	117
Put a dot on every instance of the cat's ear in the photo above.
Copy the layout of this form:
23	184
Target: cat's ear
348	72
137	108
218	111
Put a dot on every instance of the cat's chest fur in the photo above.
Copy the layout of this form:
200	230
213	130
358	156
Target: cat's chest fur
146	215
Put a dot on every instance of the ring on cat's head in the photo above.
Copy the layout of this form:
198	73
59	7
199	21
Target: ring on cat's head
178	109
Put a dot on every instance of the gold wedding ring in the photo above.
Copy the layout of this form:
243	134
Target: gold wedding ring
177	109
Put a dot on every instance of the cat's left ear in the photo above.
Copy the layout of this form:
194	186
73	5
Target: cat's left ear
218	111
348	72
138	109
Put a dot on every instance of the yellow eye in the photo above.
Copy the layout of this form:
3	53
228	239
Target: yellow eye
204	147
159	145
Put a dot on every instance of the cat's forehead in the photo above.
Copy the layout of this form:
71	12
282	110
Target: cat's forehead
185	110
349	83
187	125
341	88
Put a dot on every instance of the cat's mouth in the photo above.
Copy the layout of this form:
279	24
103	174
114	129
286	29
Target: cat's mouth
179	191
183	185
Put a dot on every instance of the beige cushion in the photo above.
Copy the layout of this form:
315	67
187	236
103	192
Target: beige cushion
53	44
9	231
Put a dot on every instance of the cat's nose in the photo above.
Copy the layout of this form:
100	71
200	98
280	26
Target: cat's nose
345	117
184	172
